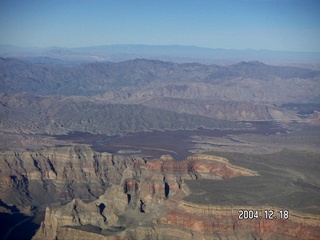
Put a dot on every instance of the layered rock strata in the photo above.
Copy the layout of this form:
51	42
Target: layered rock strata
132	209
115	197
211	219
59	175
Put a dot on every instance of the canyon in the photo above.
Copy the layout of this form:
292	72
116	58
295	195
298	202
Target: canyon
103	196
147	149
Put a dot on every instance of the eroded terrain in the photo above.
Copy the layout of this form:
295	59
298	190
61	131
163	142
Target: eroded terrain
157	150
162	198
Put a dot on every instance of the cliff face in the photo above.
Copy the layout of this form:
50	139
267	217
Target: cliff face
206	219
112	197
62	174
171	220
58	175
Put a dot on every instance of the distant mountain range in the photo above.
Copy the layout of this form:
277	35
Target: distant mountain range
241	81
142	92
134	103
174	53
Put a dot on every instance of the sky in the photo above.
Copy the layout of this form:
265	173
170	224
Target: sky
281	25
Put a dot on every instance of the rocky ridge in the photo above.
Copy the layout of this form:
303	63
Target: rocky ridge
212	219
224	110
245	81
148	95
62	174
25	113
165	215
58	175
104	196
113	197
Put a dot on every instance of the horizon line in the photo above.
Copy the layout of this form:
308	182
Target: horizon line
157	45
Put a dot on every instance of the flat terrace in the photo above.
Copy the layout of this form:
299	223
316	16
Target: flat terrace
287	179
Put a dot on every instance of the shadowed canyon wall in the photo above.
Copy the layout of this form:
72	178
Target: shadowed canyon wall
115	197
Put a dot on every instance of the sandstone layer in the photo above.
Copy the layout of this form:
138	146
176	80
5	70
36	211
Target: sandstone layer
102	196
58	175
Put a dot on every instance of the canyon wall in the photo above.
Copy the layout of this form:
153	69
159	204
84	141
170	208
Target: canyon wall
62	174
102	196
209	219
173	219
58	175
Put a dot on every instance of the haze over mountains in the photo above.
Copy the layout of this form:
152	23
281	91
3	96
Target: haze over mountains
202	121
174	53
198	93
97	78
246	91
86	134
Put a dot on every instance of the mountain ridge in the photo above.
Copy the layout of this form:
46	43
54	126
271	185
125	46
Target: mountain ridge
177	53
100	77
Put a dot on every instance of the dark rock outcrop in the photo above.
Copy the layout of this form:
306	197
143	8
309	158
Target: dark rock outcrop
113	197
59	175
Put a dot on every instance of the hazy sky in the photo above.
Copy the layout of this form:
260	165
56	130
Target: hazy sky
292	25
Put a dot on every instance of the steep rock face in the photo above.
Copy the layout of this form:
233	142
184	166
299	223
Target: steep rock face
174	219
100	214
196	166
208	219
139	199
135	208
58	175
62	174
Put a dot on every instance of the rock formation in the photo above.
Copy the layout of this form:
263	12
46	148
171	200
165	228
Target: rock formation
112	197
58	175
210	220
